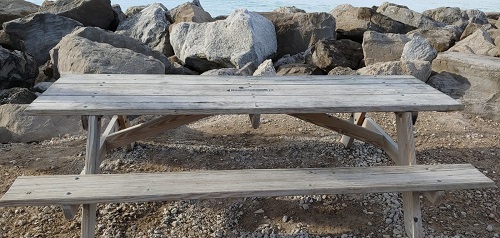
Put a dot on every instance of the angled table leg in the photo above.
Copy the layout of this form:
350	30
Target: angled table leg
357	119
92	159
255	120
411	201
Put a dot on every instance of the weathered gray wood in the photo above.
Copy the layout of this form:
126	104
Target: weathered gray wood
147	129
189	95
76	189
411	201
357	119
343	127
389	145
254	120
92	161
124	123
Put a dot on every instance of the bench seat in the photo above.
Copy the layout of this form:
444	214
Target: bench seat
143	187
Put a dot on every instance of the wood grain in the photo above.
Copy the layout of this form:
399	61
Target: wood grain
78	189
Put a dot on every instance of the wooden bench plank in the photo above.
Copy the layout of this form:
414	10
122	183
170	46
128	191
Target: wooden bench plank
82	189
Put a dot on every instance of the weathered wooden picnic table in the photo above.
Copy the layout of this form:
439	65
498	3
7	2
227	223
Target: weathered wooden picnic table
180	100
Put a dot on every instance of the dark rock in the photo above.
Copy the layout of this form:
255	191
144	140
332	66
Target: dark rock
352	22
16	96
97	13
118	16
328	54
296	32
13	9
299	69
17	69
10	42
453	85
40	33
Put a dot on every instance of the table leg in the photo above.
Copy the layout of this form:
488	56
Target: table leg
411	201
92	158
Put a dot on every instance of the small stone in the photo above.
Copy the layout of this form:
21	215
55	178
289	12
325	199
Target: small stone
489	228
260	211
369	223
305	206
285	218
464	214
388	221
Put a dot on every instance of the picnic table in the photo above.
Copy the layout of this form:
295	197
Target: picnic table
179	100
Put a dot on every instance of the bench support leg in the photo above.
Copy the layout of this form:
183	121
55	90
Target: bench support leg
357	119
254	120
92	159
411	200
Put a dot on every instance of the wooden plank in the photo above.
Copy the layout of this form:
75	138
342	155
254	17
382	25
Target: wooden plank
201	79
92	160
357	119
237	90
389	145
76	189
124	123
147	129
343	127
183	105
411	201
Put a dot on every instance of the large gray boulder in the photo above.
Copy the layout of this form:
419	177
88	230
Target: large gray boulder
448	15
120	41
40	33
328	54
75	54
11	42
383	47
298	69
419	69
150	26
478	43
13	9
476	16
418	48
190	12
97	13
16	126
243	37
297	32
288	9
482	73
473	27
453	85
352	22
440	39
17	69
408	16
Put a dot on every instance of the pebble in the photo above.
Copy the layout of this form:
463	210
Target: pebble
489	228
284	218
260	211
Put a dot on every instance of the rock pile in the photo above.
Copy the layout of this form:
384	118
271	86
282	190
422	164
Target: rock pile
91	36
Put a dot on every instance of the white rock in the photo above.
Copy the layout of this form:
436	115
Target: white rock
265	69
418	48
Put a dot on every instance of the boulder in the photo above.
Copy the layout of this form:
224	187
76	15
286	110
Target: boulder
190	12
383	47
16	126
403	14
352	22
121	41
448	15
243	37
118	16
13	9
97	13
473	27
150	26
441	39
297	32
287	9
328	54
42	87
453	85
476	16
298	69
10	42
342	71
16	96
221	72
17	69
498	23
75	54
492	15
419	69
479	43
482	73
497	43
418	48
40	33
494	33
265	69
134	10
299	58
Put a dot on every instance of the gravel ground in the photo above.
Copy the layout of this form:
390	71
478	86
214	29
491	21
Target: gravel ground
229	142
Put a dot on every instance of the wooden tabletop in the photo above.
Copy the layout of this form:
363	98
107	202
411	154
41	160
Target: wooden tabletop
94	94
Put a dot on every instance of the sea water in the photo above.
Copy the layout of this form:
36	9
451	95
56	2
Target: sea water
225	7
